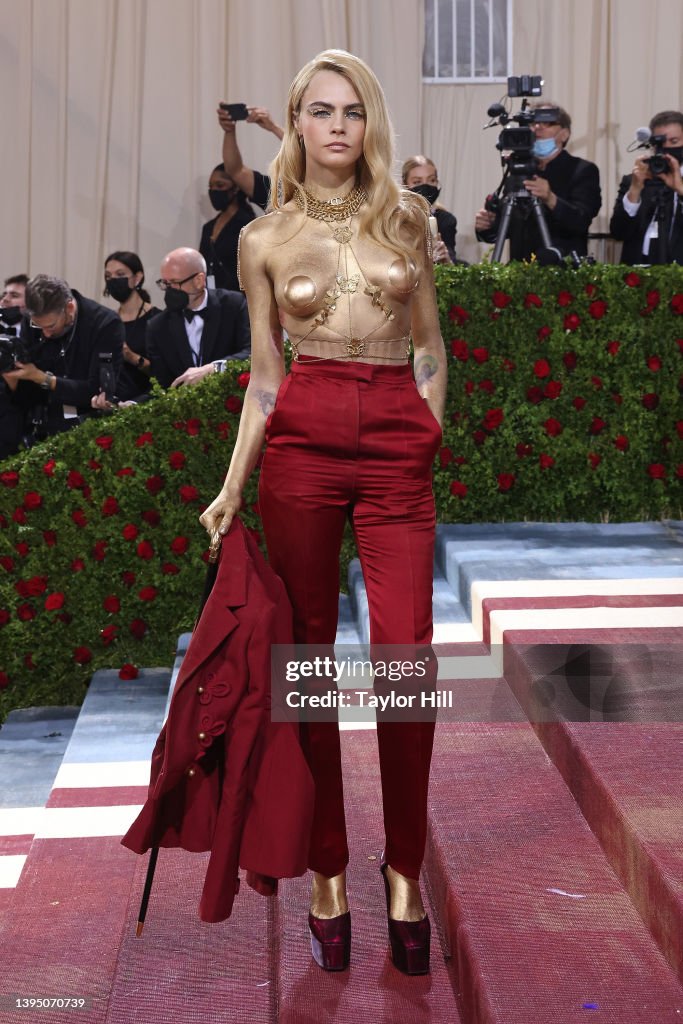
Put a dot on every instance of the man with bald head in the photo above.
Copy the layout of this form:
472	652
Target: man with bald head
200	329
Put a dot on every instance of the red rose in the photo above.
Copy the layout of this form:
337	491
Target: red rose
508	364
32	500
94	464
26	612
590	290
188	493
597	383
677	303
542	368
534	394
151	516
4	680
22	548
99	550
460	349
170	569
147	594
598	309
53	602
531	299
652	298
679	428
128	577
144	439
478	436
542	333
176	460
594	460
233	404
460	460
125	471
138	628
111	604
650	401
571	322
243	380
9	478
179	545
446	457
110	507
193	426
78	516
469	387
7	563
553	389
657	471
570	359
458	489
105	442
145	549
19	516
74	480
49	467
223	429
487	385
128	671
480	355
4	616
545	461
553	427
50	538
523	450
654	363
109	634
621	442
493	419
501	299
613	347
130	531
631	280
597	425
78	565
154	484
565	298
505	481
33	587
458	315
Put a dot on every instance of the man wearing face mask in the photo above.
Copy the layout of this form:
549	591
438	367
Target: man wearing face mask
420	175
648	212
64	334
200	328
12	309
567	186
219	239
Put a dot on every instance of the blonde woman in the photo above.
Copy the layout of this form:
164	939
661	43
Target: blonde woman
343	264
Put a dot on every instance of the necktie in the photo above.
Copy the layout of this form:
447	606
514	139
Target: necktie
190	314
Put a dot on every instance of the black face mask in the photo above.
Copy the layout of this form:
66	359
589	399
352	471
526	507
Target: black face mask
11	315
676	152
118	288
176	299
221	197
428	192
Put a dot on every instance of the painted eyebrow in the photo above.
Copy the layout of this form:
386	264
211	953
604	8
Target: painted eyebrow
330	106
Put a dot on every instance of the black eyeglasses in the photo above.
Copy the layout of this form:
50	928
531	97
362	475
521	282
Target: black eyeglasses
175	284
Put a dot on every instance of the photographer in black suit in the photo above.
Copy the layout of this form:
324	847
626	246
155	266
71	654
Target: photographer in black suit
647	202
567	186
200	328
64	335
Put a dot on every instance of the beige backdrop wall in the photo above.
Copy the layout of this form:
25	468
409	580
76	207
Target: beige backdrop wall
108	106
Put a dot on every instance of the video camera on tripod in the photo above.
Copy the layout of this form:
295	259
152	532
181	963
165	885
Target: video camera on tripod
516	146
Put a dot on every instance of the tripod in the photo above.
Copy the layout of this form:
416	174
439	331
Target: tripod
661	213
516	195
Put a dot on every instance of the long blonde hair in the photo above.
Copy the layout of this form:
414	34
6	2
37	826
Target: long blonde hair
391	215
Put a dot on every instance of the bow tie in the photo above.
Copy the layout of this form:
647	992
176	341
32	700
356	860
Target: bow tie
190	314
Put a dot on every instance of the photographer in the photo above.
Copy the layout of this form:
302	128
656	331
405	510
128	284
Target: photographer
14	292
58	373
567	186
647	201
11	311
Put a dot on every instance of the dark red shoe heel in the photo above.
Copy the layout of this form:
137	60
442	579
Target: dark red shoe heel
409	940
331	941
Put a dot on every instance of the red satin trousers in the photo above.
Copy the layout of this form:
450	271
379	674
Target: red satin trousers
356	440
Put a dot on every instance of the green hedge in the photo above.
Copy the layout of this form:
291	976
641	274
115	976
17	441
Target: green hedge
564	403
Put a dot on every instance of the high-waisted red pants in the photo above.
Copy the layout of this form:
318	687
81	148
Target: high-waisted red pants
352	439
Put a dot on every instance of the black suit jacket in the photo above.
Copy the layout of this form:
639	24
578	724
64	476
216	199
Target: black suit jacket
225	335
631	230
576	183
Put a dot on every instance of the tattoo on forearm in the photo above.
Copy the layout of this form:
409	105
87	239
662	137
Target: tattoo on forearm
425	368
266	401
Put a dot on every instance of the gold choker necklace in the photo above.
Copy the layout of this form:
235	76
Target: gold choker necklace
337	208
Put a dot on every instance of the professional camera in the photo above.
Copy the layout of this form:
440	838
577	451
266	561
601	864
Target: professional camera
12	349
516	146
657	163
